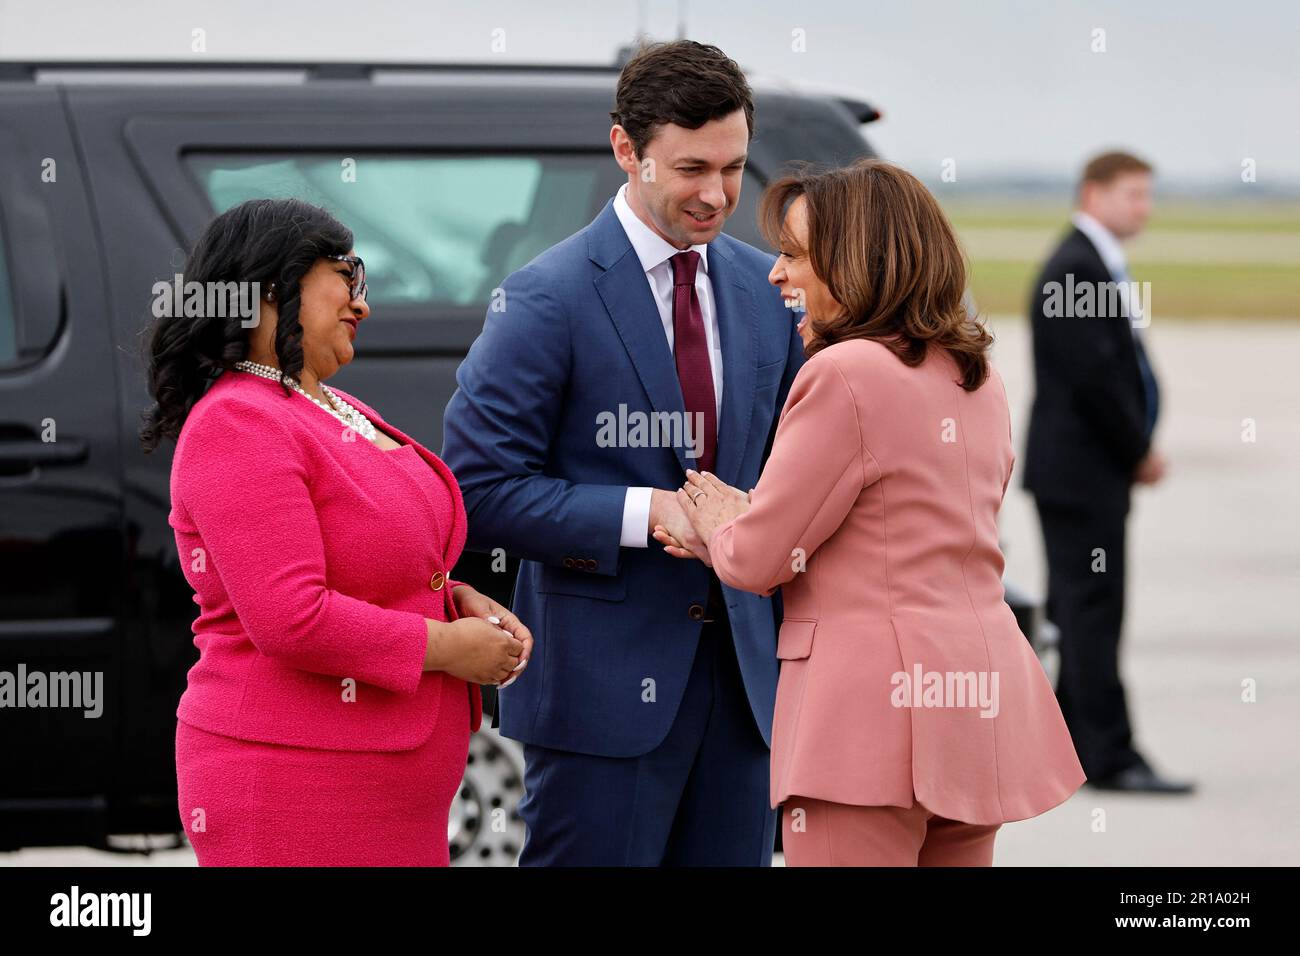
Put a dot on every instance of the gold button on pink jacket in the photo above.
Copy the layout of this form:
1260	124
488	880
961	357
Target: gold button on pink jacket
904	675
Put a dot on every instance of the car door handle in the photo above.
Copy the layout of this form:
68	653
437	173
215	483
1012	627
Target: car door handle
30	452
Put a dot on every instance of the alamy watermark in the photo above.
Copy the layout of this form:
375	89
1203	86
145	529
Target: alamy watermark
923	688
1092	300
638	429
75	689
74	908
222	300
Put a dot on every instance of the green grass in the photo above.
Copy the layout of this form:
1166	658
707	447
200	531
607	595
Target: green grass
1177	216
1178	290
1184	284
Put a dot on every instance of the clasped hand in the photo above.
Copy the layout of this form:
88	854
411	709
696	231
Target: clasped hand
704	503
508	646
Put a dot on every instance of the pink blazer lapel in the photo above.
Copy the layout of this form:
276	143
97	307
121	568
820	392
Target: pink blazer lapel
460	523
455	540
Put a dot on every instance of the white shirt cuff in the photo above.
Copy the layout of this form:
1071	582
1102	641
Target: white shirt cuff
636	518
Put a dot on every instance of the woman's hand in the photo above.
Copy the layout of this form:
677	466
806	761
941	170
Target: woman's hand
473	650
472	603
676	548
484	621
709	503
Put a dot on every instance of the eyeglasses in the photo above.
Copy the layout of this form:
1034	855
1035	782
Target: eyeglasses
358	289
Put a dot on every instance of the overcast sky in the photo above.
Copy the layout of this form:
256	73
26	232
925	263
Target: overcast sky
1000	86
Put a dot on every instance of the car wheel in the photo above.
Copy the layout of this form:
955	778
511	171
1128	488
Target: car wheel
484	828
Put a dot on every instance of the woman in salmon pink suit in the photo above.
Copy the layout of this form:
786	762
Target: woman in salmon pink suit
912	717
327	719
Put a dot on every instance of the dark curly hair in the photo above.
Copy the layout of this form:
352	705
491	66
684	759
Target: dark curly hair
261	240
681	82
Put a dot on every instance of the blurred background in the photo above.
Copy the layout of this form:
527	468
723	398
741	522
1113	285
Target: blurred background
996	105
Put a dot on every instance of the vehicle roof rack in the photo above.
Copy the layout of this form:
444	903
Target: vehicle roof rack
314	70
106	71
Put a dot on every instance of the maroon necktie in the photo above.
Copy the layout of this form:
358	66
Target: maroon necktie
691	350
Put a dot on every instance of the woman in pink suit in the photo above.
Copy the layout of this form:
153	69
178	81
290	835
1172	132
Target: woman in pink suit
912	716
327	720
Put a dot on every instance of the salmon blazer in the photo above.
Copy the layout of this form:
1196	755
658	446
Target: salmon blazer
903	674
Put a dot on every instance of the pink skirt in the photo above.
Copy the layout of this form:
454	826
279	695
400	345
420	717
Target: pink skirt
245	803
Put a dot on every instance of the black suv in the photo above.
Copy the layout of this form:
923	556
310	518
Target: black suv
450	178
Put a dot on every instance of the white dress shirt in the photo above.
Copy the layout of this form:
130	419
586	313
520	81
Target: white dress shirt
654	252
1112	257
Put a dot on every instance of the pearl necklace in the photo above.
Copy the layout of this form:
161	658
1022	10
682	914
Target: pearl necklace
343	411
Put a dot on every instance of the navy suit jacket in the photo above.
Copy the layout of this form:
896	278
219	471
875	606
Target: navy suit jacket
1087	425
574	334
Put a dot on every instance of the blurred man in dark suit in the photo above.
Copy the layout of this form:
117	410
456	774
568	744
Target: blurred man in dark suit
1090	439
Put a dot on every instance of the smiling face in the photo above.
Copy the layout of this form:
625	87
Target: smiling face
687	181
794	277
329	317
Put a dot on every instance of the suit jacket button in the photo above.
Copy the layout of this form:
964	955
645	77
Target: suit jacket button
438	580
591	564
568	562
695	612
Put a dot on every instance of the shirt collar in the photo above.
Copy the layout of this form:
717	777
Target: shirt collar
1108	247
650	247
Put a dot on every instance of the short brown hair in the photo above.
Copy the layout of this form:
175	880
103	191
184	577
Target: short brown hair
682	82
1103	168
890	258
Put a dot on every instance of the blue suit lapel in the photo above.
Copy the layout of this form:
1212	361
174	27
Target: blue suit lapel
734	300
625	291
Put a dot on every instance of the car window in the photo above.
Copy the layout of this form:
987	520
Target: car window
432	229
440	229
8	333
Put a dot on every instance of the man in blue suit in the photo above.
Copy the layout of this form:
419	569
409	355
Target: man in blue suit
643	345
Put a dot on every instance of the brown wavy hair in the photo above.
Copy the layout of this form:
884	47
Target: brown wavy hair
890	258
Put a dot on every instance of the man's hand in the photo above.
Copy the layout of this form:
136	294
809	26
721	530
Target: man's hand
1151	469
671	528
